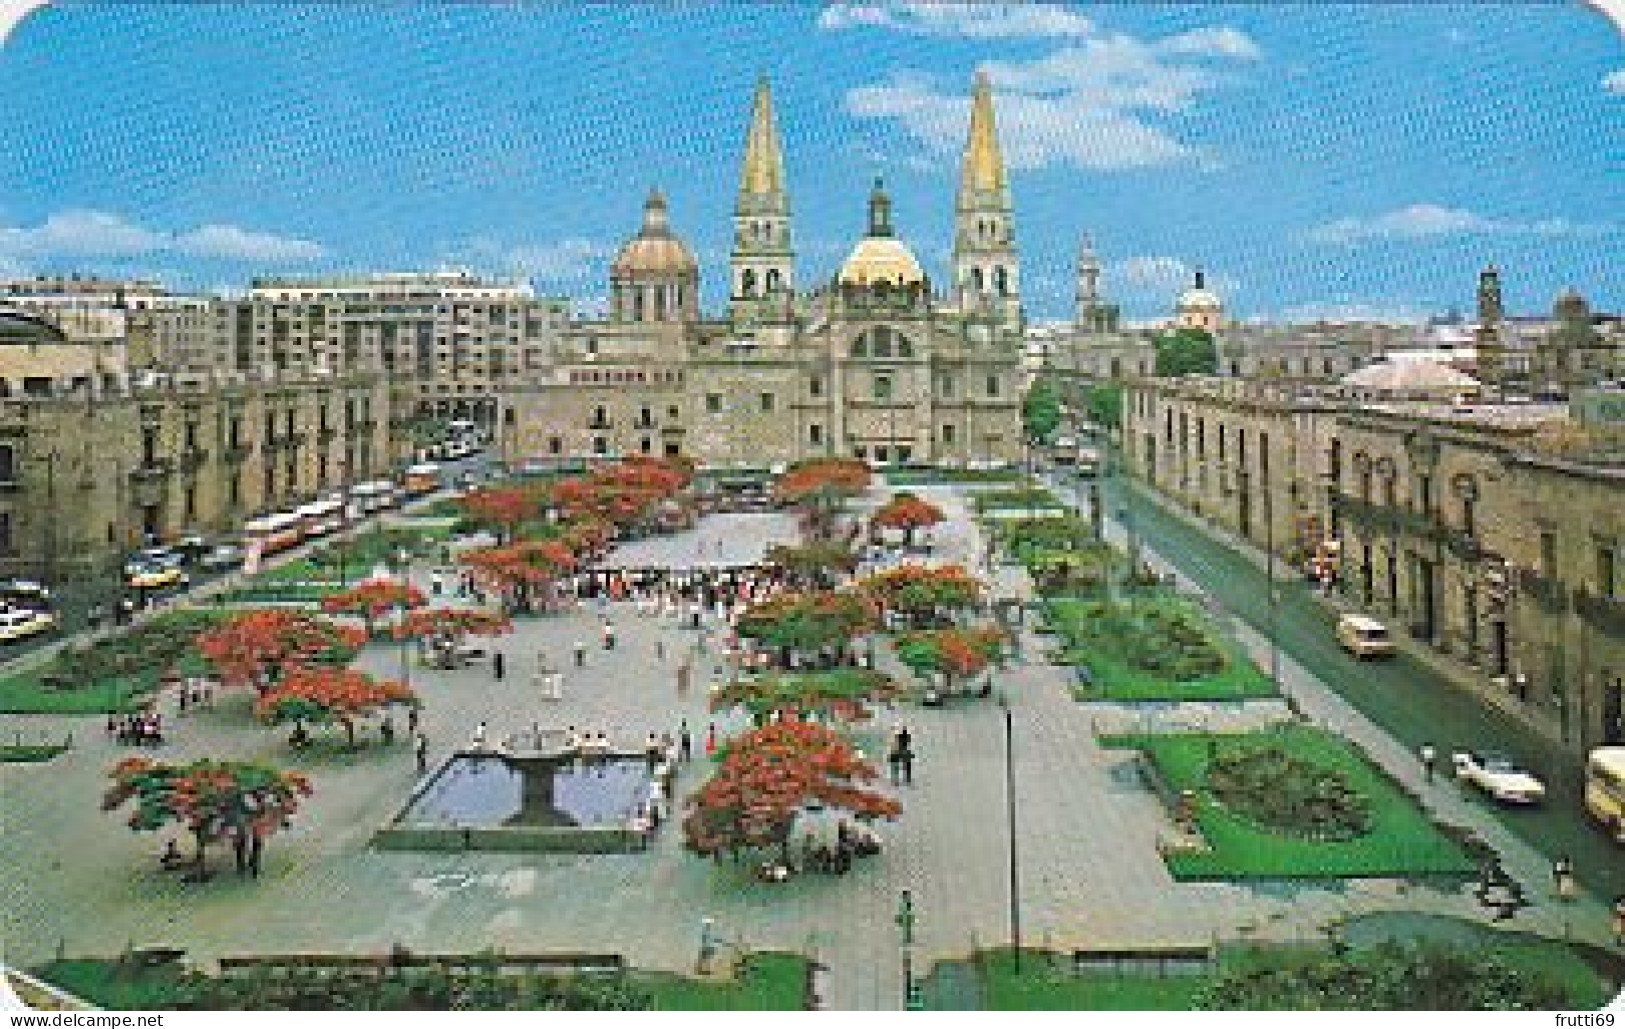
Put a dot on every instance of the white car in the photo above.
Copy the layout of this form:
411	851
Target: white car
17	623
1498	777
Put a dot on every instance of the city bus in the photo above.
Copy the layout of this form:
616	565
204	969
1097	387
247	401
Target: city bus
321	517
274	532
1605	789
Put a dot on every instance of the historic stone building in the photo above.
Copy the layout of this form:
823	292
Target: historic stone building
95	462
875	363
1492	534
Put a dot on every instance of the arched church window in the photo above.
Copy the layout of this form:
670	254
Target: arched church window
772	280
1001	281
747	283
637	305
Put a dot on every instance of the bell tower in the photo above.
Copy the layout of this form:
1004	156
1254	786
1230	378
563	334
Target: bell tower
762	265
987	270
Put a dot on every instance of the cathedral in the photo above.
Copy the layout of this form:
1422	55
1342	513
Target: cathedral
878	362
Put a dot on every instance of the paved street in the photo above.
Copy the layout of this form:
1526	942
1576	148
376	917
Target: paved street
76	879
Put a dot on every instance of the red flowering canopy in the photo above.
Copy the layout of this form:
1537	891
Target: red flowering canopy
253	648
769	775
503	508
213	800
957	653
922	595
330	695
906	512
453	624
373	598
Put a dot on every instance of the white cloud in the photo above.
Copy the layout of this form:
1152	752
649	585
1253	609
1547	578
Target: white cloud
85	233
561	262
973	20
229	242
1423	221
12	12
1614	82
1345	311
1084	105
1160	277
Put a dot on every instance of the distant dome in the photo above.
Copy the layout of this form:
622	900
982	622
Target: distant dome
880	256
881	259
655	250
1197	298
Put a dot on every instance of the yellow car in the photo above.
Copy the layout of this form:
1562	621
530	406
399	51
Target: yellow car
17	623
155	577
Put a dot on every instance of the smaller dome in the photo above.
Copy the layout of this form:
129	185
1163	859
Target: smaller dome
655	250
1200	300
877	259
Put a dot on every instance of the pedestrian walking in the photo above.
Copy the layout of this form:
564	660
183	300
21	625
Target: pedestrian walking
412	720
386	731
1563	881
479	736
905	761
497	667
609	635
711	739
422	752
685	743
1619	920
581	654
1429	759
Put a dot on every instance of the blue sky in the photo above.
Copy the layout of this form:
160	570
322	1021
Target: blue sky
1351	160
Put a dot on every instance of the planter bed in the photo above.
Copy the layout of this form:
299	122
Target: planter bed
1399	842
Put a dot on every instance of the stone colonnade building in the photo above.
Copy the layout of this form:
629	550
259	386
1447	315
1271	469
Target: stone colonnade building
1492	534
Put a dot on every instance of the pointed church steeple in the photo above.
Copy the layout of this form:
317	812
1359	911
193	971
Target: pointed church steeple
762	260
987	270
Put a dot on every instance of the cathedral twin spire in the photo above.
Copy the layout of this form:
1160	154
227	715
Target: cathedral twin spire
986	269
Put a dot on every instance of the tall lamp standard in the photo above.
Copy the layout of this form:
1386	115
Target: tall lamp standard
1010	810
1272	598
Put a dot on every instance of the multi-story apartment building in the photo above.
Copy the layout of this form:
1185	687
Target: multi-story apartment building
1490	533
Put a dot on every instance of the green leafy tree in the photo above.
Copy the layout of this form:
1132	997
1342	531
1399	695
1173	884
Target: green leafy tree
1041	411
1187	352
1105	404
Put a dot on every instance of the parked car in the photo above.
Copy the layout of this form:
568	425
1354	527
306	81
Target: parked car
154	576
1364	637
19	623
25	593
220	557
1498	777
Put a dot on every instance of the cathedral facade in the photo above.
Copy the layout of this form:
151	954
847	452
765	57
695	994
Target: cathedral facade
878	362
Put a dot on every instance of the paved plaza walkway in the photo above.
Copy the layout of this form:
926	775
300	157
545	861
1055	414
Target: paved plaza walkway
77	881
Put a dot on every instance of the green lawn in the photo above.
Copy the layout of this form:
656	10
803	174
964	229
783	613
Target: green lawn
1016	499
946	476
27	692
1042	987
1101	645
1303	978
766	982
1400	842
29	753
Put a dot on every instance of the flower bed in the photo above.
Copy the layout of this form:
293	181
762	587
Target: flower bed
1015	499
1158	648
1398	841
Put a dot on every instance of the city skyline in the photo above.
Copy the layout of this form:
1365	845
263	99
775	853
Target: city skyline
1166	135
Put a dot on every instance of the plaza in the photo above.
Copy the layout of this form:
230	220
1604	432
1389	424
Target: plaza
1088	827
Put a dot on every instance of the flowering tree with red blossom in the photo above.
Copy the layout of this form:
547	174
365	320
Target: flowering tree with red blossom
819	487
767	777
923	597
325	695
448	627
519	572
815	625
254	648
907	513
956	654
502	509
212	800
373	598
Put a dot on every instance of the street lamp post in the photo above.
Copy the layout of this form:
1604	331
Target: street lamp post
1269	573
1010	809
